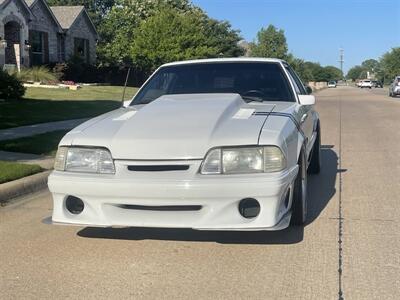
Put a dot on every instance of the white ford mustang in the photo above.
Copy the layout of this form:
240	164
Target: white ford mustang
217	144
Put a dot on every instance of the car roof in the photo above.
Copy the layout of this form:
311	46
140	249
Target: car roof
221	60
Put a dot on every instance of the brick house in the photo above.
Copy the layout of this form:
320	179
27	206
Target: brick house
33	33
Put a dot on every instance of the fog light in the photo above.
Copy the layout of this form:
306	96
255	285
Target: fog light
249	208
74	205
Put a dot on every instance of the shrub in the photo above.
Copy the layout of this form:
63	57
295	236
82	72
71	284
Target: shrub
58	70
11	87
86	73
37	74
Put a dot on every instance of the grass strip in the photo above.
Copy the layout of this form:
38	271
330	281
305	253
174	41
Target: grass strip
10	171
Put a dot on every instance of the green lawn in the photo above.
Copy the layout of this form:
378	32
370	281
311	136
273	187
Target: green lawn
84	93
11	171
46	105
43	144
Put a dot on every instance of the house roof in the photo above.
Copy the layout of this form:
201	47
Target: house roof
29	2
4	3
66	15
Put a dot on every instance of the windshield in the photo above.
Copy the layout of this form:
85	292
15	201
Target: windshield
253	81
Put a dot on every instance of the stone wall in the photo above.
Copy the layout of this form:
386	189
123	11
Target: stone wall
81	29
317	85
44	22
13	12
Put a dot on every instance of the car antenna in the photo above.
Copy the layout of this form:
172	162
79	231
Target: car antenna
126	82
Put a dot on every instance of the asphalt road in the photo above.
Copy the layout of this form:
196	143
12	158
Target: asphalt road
350	246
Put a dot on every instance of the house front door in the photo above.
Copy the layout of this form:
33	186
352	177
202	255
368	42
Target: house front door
12	37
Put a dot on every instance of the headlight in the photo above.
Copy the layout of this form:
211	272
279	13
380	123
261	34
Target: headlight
239	160
84	160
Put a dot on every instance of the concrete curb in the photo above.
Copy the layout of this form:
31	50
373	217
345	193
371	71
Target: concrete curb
22	187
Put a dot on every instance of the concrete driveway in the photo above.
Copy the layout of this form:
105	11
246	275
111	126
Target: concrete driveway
350	248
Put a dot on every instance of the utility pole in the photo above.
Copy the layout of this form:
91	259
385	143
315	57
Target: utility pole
341	60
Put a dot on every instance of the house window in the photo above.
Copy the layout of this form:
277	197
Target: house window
82	49
61	48
39	51
37	47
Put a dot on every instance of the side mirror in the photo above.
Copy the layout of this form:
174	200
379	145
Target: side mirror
306	99
309	90
126	103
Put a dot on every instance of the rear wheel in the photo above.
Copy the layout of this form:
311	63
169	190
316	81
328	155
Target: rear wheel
299	205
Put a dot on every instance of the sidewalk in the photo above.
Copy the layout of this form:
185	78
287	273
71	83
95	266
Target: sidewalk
29	130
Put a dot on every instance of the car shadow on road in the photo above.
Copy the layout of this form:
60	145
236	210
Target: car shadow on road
321	187
321	190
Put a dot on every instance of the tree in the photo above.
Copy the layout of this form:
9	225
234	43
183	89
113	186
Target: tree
311	71
356	72
332	73
371	65
316	71
271	42
170	35
126	16
121	22
223	37
301	69
391	63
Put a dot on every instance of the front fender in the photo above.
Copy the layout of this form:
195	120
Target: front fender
282	132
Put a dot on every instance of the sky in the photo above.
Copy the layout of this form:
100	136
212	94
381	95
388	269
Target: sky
315	30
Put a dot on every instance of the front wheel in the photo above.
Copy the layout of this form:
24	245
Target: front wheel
299	203
315	162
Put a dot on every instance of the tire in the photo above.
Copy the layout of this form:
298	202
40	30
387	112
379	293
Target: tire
315	162
299	203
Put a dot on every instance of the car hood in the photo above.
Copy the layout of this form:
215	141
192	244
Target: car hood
174	127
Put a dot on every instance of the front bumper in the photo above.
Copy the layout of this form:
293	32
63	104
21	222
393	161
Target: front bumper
114	200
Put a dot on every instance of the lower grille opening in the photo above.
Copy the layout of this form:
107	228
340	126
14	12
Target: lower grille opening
158	168
162	208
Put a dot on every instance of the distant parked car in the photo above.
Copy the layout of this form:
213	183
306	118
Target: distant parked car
366	84
377	84
358	84
332	84
394	89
